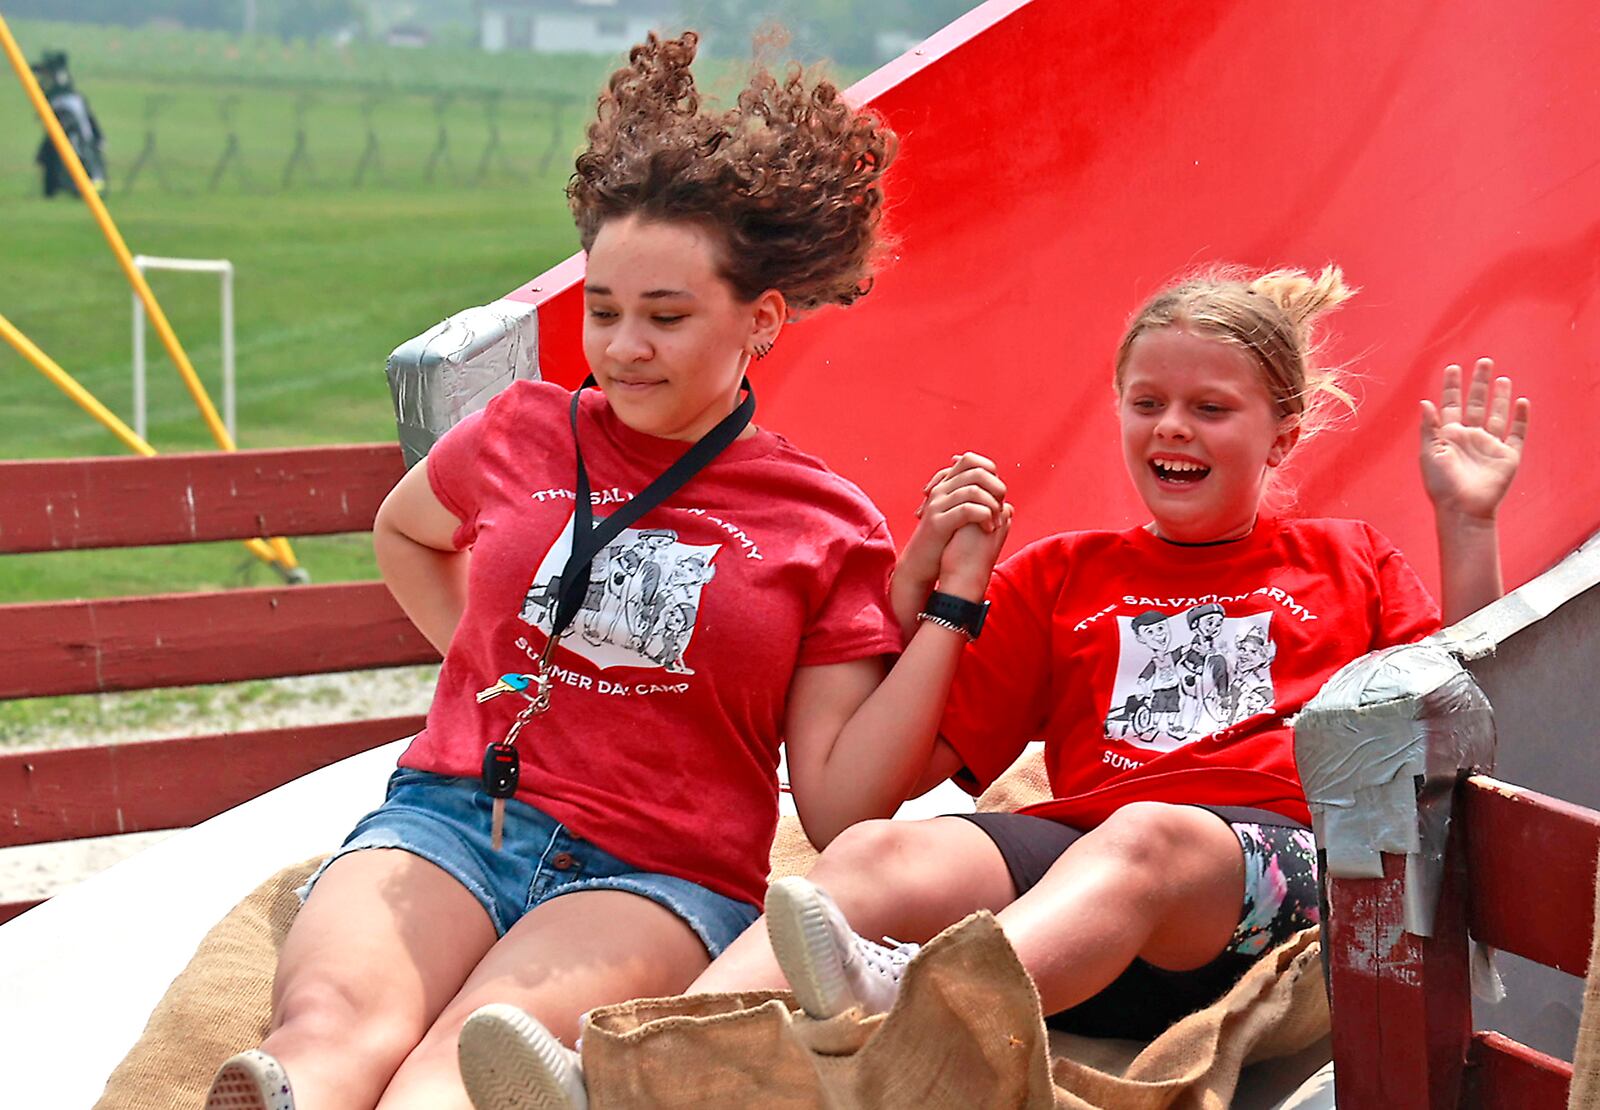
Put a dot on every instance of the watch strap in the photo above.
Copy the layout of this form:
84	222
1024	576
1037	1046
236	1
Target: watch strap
956	612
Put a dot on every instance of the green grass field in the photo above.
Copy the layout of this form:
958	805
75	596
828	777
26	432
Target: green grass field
330	277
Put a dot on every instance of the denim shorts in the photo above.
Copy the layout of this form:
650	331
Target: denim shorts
445	821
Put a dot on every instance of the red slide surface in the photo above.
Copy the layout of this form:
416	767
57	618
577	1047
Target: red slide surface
1062	159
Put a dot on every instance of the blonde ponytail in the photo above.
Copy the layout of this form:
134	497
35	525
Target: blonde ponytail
1301	297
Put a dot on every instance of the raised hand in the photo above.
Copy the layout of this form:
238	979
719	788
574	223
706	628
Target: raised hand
1472	445
961	526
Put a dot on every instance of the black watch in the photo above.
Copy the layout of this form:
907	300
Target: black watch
955	613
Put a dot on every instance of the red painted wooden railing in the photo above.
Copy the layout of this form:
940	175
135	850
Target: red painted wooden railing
1520	877
96	646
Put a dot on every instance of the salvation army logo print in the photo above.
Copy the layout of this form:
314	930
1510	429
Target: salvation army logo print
1185	676
641	602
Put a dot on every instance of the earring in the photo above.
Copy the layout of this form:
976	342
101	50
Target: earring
763	350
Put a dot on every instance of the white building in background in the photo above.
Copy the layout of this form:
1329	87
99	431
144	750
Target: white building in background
575	26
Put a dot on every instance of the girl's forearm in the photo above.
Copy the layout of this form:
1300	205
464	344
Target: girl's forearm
429	584
883	750
1469	564
908	592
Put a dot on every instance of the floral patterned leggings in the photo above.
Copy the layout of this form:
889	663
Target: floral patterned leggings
1280	886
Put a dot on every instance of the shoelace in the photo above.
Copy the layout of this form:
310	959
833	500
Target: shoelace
889	958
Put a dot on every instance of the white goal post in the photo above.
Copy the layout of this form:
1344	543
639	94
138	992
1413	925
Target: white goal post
191	265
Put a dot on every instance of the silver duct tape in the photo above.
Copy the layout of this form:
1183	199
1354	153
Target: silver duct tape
1379	750
455	367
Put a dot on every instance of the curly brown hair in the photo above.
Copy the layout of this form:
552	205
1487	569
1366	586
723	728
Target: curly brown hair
789	179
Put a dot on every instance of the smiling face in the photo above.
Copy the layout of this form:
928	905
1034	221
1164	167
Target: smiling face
1252	651
1199	434
1154	635
666	337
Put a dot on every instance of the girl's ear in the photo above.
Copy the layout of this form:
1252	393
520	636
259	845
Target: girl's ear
1283	442
767	317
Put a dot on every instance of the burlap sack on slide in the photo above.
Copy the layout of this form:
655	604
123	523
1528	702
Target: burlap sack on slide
967	1031
218	1005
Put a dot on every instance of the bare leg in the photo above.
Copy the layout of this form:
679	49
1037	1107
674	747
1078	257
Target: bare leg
906	879
1163	883
382	944
567	956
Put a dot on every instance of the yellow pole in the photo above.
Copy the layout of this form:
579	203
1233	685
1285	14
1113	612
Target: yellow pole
65	382
97	207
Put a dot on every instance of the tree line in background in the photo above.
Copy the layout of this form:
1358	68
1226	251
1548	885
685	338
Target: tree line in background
850	32
289	19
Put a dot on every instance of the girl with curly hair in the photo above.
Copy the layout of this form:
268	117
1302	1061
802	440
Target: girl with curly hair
586	817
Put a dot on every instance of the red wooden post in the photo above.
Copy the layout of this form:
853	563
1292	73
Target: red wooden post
1402	1007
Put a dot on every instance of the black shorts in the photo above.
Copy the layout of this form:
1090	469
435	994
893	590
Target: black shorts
1280	899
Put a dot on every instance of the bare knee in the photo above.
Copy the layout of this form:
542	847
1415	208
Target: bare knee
912	878
357	1019
871	851
1158	840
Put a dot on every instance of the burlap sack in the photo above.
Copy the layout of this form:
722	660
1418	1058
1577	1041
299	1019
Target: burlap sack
1584	1094
1022	784
1279	1008
966	1032
792	851
218	1005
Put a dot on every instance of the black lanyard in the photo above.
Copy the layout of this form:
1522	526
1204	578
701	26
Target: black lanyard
500	761
589	540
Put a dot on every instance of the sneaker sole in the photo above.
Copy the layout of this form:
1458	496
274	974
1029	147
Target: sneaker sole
802	940
247	1085
511	1062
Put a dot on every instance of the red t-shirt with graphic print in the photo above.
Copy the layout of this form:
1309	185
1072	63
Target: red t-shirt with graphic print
661	741
1156	671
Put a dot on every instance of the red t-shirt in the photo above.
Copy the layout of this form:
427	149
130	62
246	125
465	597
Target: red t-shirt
1159	672
661	741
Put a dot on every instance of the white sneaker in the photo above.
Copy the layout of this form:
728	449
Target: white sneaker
251	1080
511	1062
829	967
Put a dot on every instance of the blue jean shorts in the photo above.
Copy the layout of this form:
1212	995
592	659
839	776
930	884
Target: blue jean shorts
445	821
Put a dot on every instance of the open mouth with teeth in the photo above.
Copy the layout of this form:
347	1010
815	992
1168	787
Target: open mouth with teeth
1178	470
